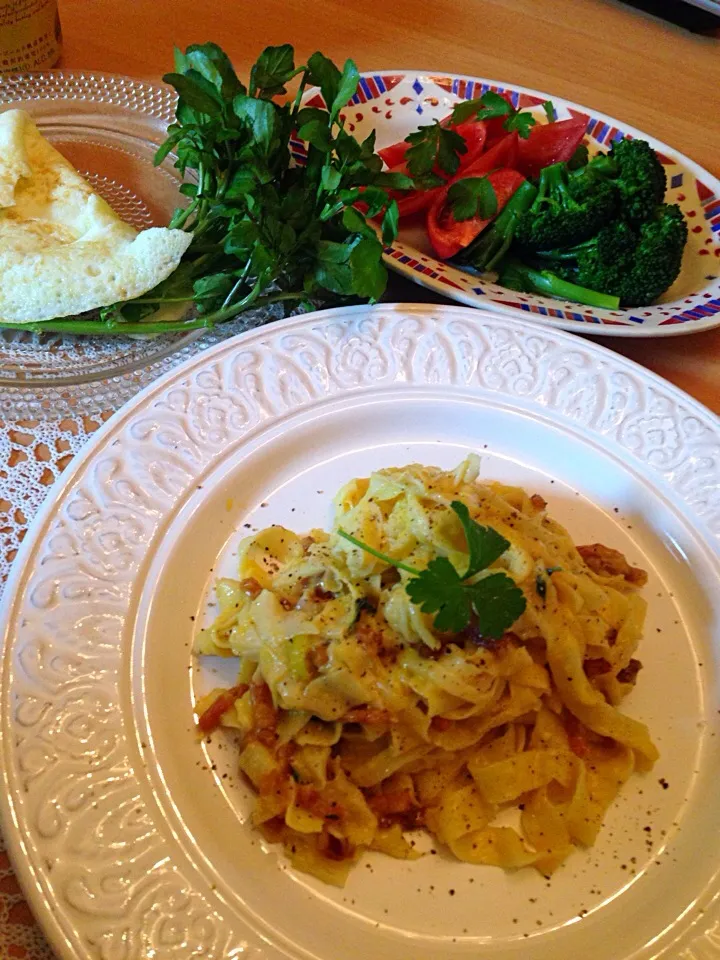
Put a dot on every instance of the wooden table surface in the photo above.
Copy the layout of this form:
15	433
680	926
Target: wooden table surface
600	53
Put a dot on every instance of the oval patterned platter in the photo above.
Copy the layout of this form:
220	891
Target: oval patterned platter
132	838
394	103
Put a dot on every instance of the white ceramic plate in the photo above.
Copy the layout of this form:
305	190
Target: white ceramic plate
128	837
396	102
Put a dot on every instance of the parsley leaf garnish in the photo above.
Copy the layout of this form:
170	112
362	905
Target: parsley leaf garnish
440	590
472	197
433	146
497	603
485	544
491	104
522	122
493	600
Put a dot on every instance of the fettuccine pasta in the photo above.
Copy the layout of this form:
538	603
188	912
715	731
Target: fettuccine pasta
360	722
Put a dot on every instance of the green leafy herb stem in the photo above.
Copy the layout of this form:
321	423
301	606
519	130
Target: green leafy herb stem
265	228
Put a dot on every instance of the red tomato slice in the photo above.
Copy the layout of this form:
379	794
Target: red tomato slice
394	154
473	133
495	125
411	201
415	200
449	236
504	153
550	143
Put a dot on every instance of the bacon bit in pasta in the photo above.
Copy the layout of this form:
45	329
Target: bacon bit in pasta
369	715
210	718
389	577
389	804
538	502
412	819
629	673
310	799
275	782
322	596
440	724
364	605
334	848
286	604
250	587
369	636
315	658
473	634
611	563
264	714
577	735
274	830
306	543
596	666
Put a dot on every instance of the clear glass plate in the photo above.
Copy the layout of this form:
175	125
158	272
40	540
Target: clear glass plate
109	128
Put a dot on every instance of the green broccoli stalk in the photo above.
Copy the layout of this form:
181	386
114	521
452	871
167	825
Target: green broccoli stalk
635	264
580	158
495	240
634	168
567	209
518	276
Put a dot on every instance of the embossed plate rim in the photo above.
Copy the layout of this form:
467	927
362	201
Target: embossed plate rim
27	855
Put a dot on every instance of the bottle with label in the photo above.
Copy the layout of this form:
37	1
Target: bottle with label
30	35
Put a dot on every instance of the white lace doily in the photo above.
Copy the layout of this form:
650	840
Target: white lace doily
32	456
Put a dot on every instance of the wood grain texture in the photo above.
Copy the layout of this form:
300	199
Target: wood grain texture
600	53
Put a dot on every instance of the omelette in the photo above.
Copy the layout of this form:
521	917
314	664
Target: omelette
63	249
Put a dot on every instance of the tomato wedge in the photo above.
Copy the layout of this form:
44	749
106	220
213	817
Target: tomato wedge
550	143
415	201
504	153
474	133
411	201
449	236
394	154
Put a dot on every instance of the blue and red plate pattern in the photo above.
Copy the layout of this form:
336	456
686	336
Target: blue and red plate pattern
396	103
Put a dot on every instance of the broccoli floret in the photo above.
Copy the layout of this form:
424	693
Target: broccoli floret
636	264
518	276
567	210
635	169
495	240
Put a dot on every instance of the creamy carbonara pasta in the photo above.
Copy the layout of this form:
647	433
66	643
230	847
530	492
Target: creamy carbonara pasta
360	722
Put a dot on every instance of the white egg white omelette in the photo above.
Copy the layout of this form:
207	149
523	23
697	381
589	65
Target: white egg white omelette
63	250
